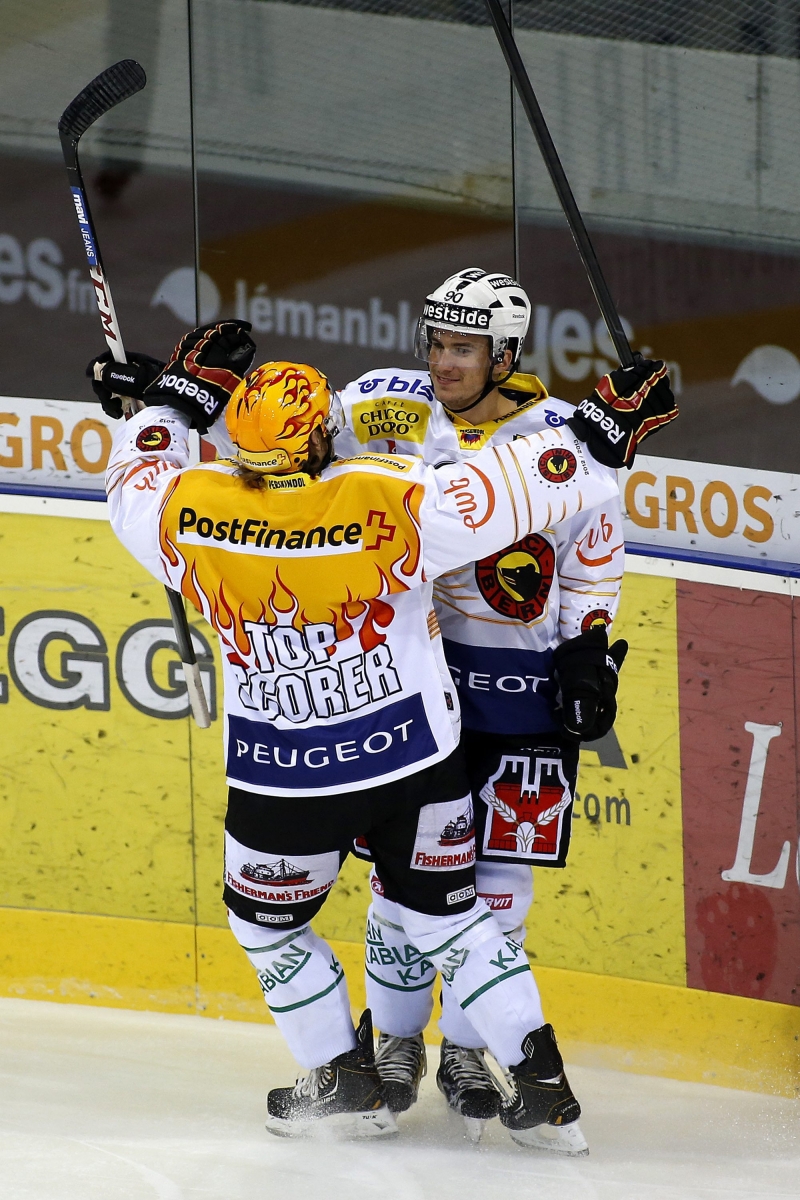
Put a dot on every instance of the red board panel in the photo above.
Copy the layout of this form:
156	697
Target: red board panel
739	787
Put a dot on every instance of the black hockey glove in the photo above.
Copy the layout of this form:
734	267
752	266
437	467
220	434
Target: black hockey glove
586	671
625	407
111	379
205	369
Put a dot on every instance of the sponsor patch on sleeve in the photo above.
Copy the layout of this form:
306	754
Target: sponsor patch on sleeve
557	466
598	618
154	437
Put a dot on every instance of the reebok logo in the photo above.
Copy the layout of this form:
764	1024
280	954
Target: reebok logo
188	388
593	412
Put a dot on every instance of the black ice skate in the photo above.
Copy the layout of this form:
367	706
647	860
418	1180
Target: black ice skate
345	1093
468	1086
542	1111
401	1064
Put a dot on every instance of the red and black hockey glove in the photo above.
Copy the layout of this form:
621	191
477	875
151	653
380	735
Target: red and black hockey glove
205	369
626	406
586	670
111	379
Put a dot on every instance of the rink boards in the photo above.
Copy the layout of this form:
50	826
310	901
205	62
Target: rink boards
668	945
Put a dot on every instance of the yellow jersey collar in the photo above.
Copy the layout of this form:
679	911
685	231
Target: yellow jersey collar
527	390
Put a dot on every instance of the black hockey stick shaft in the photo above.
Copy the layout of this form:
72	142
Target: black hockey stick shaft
108	89
556	171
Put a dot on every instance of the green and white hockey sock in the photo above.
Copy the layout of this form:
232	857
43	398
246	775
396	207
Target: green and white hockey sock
488	973
304	987
399	979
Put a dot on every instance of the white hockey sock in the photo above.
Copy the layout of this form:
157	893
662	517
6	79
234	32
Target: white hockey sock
488	973
454	1023
304	987
507	889
399	979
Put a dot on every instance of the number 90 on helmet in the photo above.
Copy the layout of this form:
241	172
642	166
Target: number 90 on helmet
477	302
272	413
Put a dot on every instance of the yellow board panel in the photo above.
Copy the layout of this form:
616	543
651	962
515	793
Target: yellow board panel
679	1032
112	961
95	808
617	907
120	813
344	915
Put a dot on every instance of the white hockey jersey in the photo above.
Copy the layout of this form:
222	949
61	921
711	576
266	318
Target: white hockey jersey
319	589
501	616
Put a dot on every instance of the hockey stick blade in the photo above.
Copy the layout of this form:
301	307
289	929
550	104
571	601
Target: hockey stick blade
109	88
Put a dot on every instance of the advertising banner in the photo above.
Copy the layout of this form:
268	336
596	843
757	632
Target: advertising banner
738	708
54	443
57	445
732	512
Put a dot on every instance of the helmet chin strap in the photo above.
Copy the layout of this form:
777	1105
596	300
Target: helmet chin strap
489	386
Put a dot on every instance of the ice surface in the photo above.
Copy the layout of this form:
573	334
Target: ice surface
103	1104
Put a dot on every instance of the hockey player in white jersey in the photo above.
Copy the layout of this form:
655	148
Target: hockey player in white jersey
339	716
515	625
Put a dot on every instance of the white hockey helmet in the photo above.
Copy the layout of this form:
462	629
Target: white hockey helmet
476	301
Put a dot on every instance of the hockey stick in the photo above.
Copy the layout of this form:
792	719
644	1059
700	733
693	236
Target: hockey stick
560	182
110	88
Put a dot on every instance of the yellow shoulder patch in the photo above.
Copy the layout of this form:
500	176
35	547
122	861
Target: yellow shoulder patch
532	384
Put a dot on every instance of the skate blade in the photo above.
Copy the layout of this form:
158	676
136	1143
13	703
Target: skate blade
474	1127
377	1122
558	1139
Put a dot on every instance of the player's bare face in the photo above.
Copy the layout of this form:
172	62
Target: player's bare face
459	364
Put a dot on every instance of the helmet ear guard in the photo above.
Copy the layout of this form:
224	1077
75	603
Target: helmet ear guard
336	420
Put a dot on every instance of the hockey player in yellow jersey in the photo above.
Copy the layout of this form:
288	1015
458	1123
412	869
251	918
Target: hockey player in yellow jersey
340	718
509	621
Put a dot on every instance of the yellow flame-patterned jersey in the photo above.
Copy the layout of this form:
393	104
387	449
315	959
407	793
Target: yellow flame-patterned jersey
320	589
